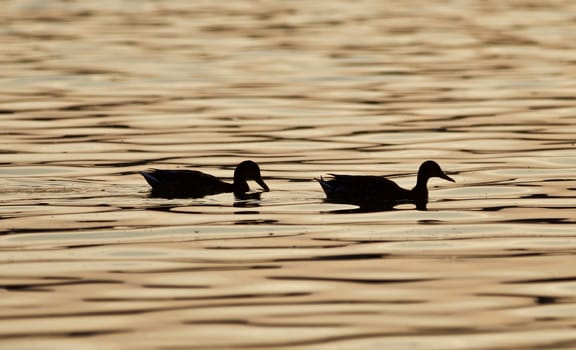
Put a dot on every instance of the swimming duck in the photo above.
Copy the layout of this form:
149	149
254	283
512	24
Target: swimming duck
195	184
378	191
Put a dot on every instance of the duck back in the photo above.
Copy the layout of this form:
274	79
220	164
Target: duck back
363	190
184	183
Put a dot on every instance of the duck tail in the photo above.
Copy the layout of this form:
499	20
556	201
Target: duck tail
326	186
321	181
150	178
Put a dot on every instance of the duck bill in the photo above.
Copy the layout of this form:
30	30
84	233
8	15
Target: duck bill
262	184
446	177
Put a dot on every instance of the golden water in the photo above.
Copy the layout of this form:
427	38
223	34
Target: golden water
94	91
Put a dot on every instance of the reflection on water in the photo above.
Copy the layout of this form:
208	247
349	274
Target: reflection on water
93	92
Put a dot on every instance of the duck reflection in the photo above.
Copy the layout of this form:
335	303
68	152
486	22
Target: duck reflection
241	200
361	209
247	200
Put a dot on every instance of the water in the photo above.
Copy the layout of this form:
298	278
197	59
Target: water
93	92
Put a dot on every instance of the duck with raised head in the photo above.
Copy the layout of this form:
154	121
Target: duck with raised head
195	184
378	191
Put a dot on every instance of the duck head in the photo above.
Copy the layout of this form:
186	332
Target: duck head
427	170
430	169
249	170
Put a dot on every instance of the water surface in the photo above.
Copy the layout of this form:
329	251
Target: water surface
93	92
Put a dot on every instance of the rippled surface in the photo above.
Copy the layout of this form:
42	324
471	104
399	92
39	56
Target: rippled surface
93	92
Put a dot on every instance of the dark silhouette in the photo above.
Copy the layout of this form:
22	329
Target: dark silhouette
379	193
195	184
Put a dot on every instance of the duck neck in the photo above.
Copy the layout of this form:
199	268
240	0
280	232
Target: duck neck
240	185
420	192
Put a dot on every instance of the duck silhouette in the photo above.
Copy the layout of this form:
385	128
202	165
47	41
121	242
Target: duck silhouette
380	192
196	184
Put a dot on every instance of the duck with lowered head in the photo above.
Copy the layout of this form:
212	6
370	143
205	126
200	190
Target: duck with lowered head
195	184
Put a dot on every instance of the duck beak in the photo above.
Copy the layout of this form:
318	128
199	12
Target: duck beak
262	184
446	177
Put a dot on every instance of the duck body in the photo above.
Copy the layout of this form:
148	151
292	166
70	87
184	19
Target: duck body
196	184
380	192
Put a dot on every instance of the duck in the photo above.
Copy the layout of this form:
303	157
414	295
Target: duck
378	191
196	184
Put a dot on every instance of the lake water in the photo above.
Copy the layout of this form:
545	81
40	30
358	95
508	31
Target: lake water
92	92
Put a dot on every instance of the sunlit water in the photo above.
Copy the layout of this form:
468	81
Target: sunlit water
93	92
